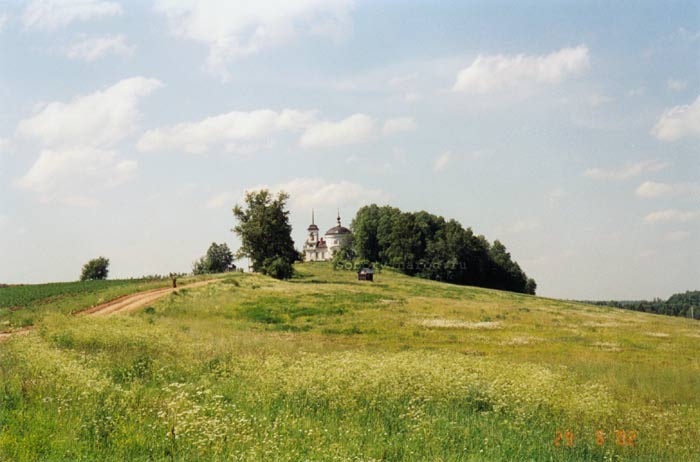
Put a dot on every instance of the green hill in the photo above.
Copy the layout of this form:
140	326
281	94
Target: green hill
325	367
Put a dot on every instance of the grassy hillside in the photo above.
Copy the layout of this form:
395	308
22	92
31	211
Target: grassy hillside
327	368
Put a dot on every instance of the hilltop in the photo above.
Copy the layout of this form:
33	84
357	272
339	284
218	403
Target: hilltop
325	367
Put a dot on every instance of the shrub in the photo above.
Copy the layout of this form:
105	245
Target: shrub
218	259
278	268
95	269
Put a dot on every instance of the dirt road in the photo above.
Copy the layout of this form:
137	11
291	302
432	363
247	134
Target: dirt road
125	304
135	301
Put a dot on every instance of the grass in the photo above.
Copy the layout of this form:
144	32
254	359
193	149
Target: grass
324	367
21	305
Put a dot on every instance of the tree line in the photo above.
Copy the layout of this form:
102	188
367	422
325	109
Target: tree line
429	246
681	304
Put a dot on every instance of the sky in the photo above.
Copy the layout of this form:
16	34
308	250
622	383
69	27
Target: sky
570	131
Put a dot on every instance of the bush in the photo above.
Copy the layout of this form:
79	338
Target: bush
218	259
95	269
278	268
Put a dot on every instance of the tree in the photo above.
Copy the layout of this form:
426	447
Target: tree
95	269
426	245
218	259
530	286
264	229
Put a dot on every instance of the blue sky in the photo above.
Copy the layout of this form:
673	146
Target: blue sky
569	130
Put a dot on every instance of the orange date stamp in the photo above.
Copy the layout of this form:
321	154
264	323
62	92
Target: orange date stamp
621	437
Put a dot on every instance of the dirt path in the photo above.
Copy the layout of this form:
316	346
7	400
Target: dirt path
135	301
125	304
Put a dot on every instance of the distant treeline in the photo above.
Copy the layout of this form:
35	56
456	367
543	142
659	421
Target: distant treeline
677	305
426	245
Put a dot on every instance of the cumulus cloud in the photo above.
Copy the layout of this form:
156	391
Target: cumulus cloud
79	139
654	189
200	136
317	192
308	193
398	125
627	171
355	129
489	73
57	169
234	29
93	48
442	161
52	14
98	119
678	122
671	215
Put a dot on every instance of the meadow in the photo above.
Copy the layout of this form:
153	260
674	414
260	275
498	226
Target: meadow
327	368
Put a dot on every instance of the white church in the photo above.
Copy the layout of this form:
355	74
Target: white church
317	248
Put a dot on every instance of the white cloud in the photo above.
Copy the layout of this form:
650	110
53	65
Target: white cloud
625	172
355	129
307	193
491	73
654	189
92	48
676	84
442	161
317	192
98	119
678	122
66	175
677	235
79	138
3	21
234	29
671	215
398	125
51	14
198	137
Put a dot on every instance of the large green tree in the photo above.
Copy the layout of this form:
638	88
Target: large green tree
265	232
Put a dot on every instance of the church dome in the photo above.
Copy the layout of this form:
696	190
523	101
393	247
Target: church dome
338	230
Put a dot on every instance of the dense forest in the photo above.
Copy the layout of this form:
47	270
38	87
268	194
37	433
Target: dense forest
677	305
429	246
